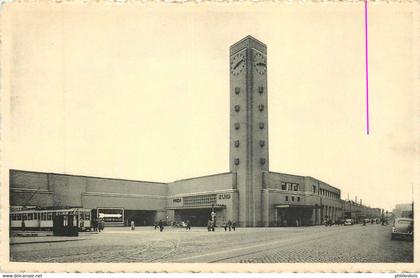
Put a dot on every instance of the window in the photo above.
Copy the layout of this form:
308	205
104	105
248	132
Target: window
237	90
49	216
283	186
298	199
314	188
43	216
237	108
87	216
262	143
293	198
19	217
261	125
260	90
13	216
237	126
237	143
35	216
286	198
261	107
236	161
262	161
295	187
200	200
289	186
25	216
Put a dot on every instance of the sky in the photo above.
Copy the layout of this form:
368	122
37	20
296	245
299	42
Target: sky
141	91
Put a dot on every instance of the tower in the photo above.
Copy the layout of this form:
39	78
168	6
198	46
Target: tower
248	125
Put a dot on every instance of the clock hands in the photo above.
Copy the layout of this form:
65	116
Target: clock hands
237	65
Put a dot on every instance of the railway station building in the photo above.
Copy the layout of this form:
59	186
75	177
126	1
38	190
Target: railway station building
249	193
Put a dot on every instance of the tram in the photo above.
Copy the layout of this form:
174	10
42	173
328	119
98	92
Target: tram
42	219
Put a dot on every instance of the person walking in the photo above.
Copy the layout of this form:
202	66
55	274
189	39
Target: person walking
160	225
133	227
225	225
234	225
230	225
209	225
188	225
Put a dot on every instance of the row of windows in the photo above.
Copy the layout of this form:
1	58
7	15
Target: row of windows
238	125
237	143
289	186
262	161
199	200
238	108
328	194
42	216
260	90
32	216
286	198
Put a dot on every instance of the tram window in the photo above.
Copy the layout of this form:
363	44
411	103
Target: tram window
65	221
30	216
49	216
82	216
87	216
19	217
25	216
293	198
13	216
35	215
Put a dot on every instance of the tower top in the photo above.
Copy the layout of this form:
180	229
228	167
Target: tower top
248	42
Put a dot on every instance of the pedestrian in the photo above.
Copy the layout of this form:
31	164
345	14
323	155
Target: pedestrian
209	225
234	225
230	225
156	225
225	225
160	225
188	225
133	227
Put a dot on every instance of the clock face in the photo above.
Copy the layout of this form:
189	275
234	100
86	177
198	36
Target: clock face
260	63
237	64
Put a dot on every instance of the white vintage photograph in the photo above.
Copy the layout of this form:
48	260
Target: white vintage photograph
236	133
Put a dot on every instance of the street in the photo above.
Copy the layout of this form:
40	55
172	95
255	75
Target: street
341	244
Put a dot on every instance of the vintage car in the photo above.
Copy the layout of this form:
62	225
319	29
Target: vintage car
402	228
348	222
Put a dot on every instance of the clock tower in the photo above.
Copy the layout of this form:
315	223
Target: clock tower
249	126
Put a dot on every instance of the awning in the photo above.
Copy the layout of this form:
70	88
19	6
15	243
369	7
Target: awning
296	206
216	206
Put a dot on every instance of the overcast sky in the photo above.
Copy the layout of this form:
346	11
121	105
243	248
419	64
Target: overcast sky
142	92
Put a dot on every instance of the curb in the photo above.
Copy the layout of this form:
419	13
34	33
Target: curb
46	241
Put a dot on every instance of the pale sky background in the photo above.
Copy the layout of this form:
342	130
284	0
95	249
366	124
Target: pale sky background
142	91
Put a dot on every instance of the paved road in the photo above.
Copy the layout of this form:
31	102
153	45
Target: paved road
371	243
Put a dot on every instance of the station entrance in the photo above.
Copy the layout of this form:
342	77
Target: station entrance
140	217
294	216
200	216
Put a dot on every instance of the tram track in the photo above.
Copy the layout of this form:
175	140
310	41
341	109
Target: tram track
256	247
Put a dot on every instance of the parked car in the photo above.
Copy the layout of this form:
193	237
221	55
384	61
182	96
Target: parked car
402	228
348	222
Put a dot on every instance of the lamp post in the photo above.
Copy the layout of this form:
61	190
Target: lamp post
213	214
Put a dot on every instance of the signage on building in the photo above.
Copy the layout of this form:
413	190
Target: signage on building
111	215
224	196
177	200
